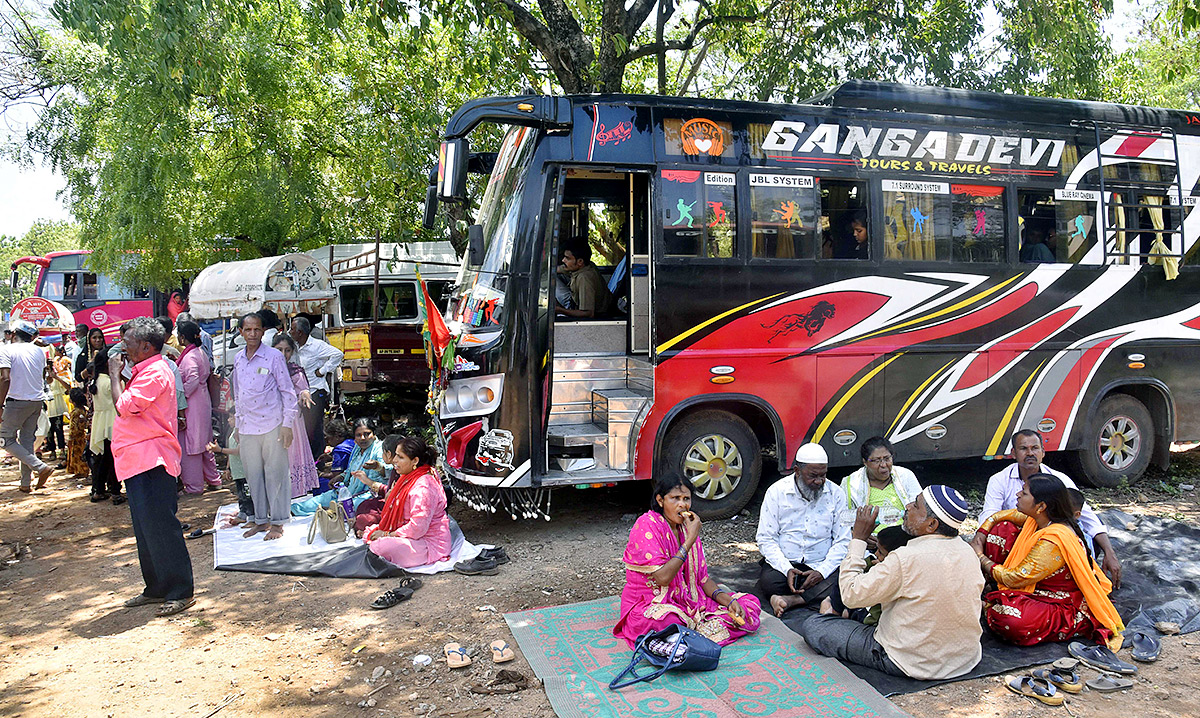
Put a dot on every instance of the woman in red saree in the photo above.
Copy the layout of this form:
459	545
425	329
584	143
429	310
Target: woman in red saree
413	528
666	577
1049	587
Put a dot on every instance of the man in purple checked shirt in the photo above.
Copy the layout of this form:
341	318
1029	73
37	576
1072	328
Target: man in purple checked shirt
266	404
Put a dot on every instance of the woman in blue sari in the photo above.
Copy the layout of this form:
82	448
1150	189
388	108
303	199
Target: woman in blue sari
363	475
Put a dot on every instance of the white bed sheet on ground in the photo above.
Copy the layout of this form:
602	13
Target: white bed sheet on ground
230	549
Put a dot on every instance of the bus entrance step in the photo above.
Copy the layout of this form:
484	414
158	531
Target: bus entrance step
586	477
576	435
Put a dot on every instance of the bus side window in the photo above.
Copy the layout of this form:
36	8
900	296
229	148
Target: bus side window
916	218
978	216
91	289
1054	230
782	216
845	224
699	217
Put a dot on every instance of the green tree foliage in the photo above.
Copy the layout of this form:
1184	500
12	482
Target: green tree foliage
44	236
205	130
1161	68
1039	47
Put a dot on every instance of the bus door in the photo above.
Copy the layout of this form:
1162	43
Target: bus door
602	377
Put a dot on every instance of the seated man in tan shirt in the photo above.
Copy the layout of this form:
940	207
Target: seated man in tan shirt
929	590
589	292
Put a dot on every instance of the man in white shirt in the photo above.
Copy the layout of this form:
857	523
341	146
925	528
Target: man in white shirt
929	589
1003	487
23	378
319	360
803	532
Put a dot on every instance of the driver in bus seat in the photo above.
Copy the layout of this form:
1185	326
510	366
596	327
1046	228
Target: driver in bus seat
589	292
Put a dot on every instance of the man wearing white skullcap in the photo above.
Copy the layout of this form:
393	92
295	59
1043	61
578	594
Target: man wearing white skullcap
929	590
803	532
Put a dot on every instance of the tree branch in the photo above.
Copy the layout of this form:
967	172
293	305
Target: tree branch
688	42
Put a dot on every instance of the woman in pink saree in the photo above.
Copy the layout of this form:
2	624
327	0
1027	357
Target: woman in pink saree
303	467
666	577
198	466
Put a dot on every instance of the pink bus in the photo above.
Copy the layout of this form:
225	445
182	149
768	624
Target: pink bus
93	298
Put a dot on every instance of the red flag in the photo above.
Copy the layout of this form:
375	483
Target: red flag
439	334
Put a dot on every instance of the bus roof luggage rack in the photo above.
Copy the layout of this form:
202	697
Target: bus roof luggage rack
892	96
1117	237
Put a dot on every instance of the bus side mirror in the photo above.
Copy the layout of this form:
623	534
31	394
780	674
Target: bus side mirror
475	245
452	170
431	203
12	281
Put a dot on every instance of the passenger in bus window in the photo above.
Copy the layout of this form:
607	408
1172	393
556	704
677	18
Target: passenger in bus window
588	289
1036	247
853	243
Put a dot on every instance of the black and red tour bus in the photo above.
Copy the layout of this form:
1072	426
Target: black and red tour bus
940	267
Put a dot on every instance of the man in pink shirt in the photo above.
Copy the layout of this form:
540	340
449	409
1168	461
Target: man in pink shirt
146	457
266	405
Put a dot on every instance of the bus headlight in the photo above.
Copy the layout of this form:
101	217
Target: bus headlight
475	396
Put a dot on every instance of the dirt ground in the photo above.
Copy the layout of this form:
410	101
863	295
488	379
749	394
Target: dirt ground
263	645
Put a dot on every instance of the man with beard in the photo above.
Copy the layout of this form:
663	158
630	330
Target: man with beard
1002	490
803	531
929	590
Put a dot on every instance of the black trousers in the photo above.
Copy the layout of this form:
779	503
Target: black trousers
245	503
104	474
56	431
314	422
774	583
162	552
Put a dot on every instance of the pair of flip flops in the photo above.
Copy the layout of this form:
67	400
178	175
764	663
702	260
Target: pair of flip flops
1104	683
401	593
457	656
1036	688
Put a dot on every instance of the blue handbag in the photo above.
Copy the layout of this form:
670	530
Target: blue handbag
674	648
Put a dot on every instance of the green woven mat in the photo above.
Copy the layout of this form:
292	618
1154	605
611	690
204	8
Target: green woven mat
771	673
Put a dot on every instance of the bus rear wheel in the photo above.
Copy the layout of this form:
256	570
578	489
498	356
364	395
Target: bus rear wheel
720	457
1118	442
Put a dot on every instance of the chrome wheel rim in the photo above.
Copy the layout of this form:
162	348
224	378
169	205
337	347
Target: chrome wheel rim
713	466
1120	443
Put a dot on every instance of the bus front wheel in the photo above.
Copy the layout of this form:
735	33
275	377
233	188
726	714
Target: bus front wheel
1118	442
720	457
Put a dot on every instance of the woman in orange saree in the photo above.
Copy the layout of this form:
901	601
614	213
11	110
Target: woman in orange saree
1049	587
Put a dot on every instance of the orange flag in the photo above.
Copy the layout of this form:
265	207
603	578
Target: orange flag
439	334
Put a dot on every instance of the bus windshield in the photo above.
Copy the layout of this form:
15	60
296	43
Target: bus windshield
480	299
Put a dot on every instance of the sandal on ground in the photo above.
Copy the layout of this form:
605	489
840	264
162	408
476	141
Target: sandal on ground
1066	664
391	597
506	681
1107	684
119	499
456	656
170	608
501	651
411	582
143	600
96	498
1037	689
1101	658
1068	681
1146	646
25	489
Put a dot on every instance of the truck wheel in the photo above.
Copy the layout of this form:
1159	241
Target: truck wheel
720	457
1117	443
